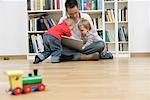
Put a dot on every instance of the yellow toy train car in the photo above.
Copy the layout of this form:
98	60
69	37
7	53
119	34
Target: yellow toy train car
19	84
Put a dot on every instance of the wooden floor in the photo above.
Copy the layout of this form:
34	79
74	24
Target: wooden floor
117	79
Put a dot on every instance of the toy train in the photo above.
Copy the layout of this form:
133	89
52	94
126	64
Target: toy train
19	84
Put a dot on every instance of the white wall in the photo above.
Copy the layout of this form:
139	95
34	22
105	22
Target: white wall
13	27
139	26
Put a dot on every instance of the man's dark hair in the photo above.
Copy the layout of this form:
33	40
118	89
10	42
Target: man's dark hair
71	4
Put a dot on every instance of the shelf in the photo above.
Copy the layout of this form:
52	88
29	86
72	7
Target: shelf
123	42
109	22
35	32
122	1
108	2
123	52
123	22
91	11
44	11
37	13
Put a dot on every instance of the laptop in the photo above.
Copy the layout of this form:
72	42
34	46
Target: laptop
72	43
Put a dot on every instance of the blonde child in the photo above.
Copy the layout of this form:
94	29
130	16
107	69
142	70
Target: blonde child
87	34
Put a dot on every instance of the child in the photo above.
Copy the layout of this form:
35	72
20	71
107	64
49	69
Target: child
87	35
52	41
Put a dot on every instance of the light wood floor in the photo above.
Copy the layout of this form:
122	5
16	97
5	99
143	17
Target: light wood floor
117	79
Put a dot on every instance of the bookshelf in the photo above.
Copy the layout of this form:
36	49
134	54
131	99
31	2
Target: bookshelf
122	26
42	14
110	18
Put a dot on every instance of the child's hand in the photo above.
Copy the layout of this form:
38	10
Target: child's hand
82	47
72	37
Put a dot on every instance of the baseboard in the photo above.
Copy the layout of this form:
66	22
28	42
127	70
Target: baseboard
23	57
13	57
139	54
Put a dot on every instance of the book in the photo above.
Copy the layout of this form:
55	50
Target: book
72	43
90	4
99	4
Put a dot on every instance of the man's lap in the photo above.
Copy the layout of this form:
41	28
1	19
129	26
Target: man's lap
72	54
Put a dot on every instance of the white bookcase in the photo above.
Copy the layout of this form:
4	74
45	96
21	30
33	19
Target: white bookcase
117	28
122	25
110	18
37	8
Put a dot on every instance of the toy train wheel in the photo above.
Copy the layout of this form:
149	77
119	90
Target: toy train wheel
41	87
17	91
27	89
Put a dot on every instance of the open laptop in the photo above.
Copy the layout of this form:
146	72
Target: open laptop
72	43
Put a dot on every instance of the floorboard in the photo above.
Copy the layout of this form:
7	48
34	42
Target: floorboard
117	79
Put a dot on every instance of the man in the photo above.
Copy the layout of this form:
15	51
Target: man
92	51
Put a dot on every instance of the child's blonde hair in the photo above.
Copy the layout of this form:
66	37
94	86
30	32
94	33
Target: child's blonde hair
85	23
69	21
